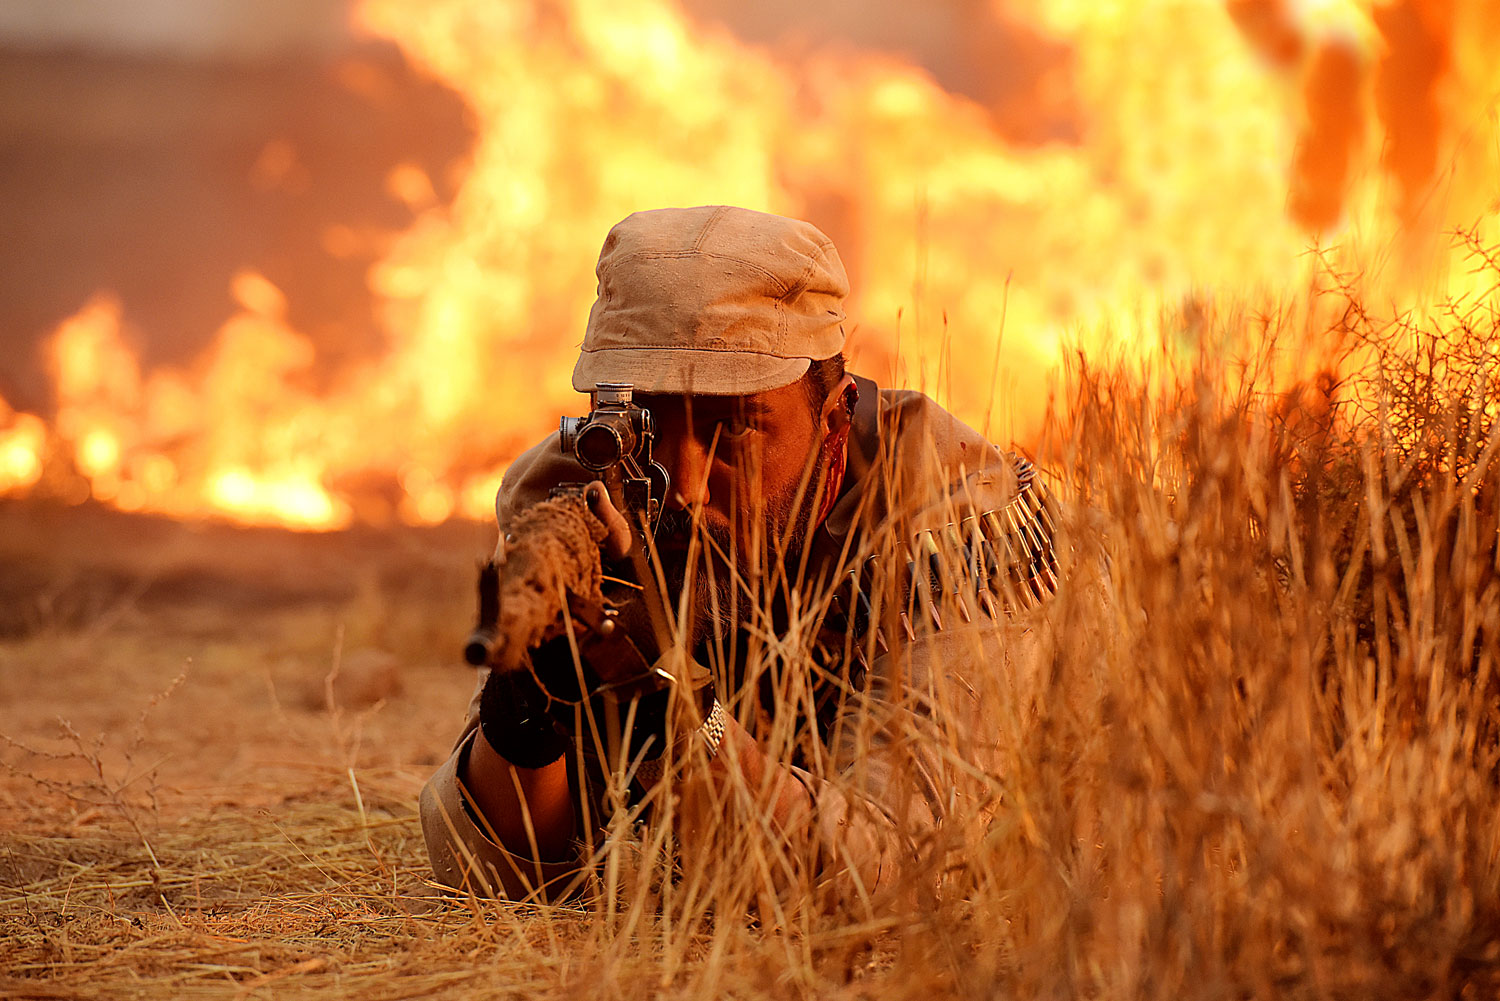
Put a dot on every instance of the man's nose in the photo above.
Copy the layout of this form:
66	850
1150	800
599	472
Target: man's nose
686	460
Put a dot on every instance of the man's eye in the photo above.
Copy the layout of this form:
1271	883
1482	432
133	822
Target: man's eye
735	429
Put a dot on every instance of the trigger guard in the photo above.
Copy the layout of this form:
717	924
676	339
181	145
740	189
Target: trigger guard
598	634
661	482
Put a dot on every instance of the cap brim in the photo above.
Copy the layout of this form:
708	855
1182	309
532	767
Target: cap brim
679	370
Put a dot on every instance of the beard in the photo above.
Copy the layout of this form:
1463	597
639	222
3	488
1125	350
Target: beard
726	583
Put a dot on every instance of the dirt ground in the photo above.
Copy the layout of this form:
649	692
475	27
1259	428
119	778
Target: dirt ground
213	740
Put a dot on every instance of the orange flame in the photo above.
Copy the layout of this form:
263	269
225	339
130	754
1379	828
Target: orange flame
1214	145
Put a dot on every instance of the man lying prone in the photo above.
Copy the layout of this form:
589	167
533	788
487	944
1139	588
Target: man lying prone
739	484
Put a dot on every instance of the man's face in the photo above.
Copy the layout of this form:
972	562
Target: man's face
745	468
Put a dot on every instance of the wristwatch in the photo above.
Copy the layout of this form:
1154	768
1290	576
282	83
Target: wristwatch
649	772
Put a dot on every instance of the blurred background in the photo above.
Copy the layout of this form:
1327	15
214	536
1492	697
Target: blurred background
156	149
314	263
324	265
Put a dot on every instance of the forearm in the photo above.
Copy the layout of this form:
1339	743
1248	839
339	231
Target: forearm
530	811
788	802
846	838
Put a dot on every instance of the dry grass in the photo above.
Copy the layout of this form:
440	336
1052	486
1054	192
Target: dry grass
1249	750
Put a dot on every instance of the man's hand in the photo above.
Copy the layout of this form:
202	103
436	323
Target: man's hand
619	539
515	719
621	655
517	770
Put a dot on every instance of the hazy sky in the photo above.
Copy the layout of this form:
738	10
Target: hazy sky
191	28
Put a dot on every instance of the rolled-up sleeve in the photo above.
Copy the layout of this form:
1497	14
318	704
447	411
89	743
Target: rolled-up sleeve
468	860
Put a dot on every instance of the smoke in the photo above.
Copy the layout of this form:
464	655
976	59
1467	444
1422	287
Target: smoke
1418	36
969	47
1345	85
193	29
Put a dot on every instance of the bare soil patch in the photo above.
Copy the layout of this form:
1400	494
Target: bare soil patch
214	739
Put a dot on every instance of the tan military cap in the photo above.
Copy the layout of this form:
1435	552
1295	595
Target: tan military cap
713	300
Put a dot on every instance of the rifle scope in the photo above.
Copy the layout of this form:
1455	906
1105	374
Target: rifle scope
610	433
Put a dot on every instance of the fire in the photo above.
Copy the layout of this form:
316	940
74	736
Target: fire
1215	144
21	444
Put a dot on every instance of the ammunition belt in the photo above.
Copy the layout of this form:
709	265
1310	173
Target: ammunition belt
994	563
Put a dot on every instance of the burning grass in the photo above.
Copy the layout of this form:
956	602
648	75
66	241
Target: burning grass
1249	749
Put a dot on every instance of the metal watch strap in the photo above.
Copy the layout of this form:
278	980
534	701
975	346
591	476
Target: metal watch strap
649	772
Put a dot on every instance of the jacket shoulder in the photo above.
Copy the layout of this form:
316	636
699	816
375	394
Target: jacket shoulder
930	453
531	477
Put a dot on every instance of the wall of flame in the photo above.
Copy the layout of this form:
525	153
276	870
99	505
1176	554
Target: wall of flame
1216	144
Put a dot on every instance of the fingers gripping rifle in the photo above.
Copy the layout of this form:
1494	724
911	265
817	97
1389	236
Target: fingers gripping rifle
549	566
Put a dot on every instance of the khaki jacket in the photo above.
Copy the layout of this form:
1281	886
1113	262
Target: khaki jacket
911	464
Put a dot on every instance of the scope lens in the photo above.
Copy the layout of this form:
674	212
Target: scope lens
599	446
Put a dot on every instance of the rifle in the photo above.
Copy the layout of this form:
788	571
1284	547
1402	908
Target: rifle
1001	559
549	567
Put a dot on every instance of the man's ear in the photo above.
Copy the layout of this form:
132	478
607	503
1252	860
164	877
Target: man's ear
838	409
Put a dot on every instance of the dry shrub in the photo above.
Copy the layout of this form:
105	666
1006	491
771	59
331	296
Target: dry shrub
1251	746
1269	765
1249	749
